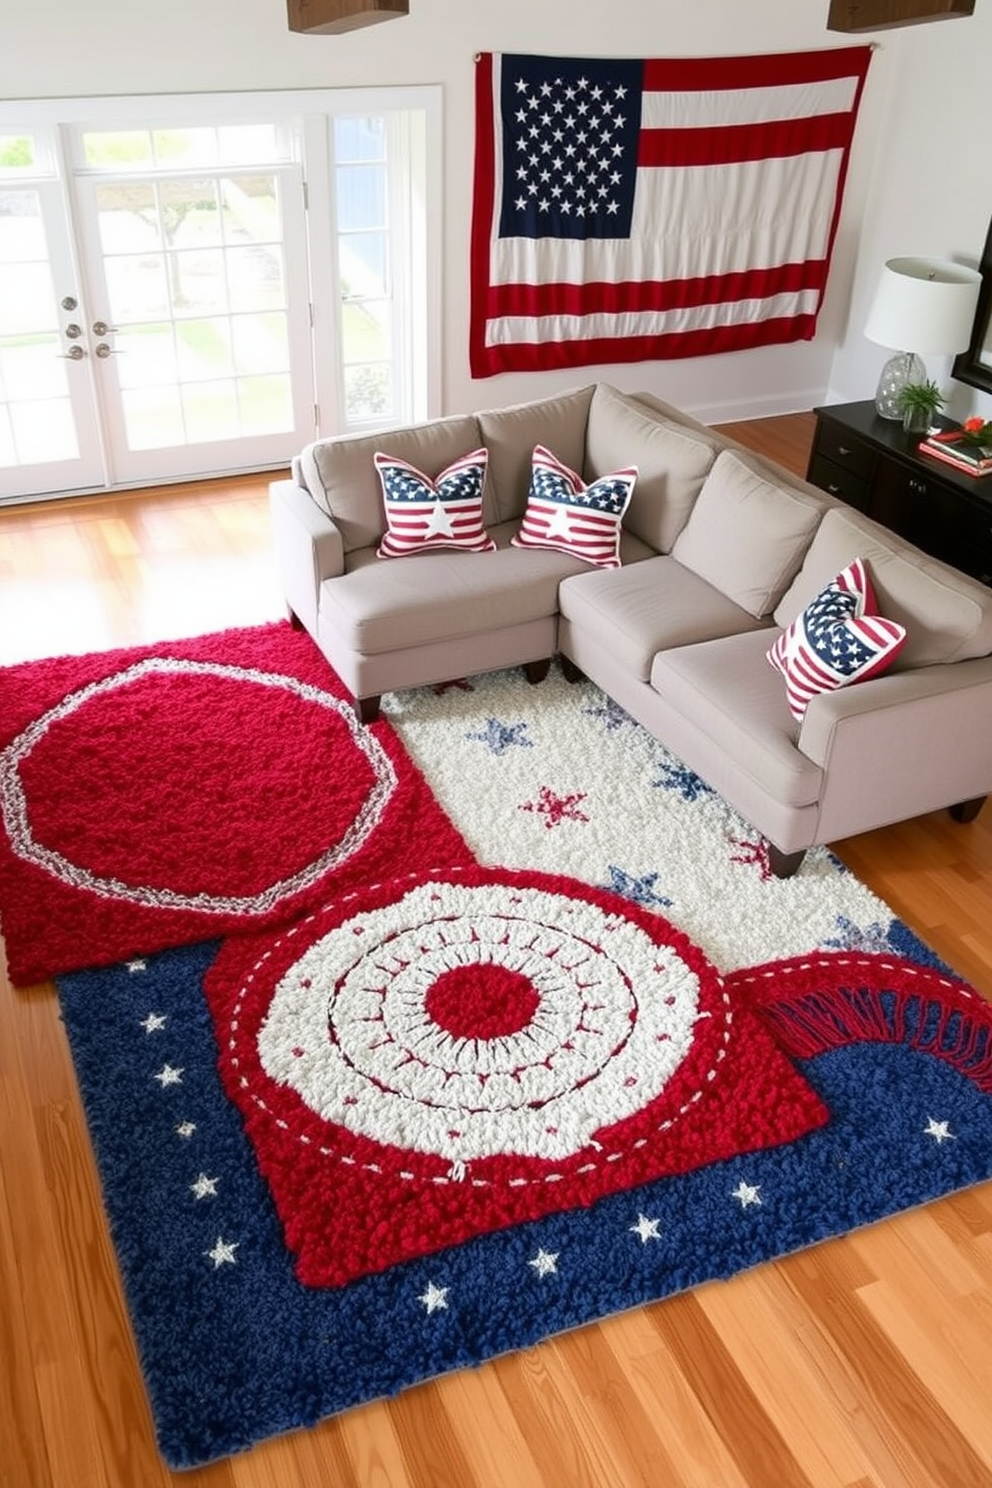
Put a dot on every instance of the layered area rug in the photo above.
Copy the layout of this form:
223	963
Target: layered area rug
548	1043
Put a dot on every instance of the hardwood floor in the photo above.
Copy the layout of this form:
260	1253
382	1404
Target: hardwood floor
864	1363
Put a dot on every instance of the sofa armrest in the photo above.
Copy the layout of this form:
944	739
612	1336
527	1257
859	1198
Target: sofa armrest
902	744
308	548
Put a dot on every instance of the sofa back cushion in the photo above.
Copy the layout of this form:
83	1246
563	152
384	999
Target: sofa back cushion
947	616
672	462
511	434
341	477
748	532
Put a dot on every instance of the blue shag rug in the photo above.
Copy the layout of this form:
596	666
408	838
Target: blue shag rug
235	1349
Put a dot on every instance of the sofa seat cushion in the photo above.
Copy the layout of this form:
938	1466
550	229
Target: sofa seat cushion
947	615
650	607
672	462
727	690
380	605
748	533
341	477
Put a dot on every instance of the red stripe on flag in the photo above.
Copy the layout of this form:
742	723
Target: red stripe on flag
597	298
728	143
533	356
699	74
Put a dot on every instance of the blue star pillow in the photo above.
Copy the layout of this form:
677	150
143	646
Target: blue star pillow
565	514
839	638
422	513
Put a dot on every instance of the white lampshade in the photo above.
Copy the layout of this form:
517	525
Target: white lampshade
921	305
926	305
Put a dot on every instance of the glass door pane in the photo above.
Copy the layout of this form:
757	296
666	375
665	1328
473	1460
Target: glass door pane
48	429
202	283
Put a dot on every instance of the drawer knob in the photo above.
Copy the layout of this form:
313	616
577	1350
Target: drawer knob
842	449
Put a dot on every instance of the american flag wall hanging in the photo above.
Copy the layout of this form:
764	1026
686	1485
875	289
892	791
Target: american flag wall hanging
645	210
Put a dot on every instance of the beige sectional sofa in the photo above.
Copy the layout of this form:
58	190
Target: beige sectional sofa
720	550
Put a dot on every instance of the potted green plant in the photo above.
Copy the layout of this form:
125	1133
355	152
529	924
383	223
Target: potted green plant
919	402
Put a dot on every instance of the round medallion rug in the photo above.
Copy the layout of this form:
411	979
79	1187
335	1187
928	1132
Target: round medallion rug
452	1052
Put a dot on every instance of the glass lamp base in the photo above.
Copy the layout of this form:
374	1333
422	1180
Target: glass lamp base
899	370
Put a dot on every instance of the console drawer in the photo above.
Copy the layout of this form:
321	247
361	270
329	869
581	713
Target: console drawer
838	481
837	446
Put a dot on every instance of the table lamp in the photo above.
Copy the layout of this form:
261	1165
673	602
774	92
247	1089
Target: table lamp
927	304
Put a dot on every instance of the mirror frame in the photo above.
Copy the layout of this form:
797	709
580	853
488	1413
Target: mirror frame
968	366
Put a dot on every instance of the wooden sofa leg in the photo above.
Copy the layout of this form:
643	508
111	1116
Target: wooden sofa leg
536	671
966	811
784	864
368	708
569	670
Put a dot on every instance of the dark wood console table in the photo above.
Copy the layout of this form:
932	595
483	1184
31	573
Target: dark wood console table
874	465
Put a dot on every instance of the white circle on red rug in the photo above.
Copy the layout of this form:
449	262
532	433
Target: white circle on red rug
467	1021
194	785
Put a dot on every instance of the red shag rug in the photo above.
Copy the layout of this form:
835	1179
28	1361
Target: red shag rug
165	794
449	1053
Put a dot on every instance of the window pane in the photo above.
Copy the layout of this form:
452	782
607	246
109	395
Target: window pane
211	410
260	343
251	209
368	392
365	332
27	298
363	264
146	355
204	349
359	139
32	367
255	277
361	196
17	153
128	217
190	213
266	404
241	143
44	430
137	287
113	149
197	281
153	418
179	147
22	231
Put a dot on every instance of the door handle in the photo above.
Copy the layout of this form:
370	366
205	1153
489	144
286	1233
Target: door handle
103	351
101	328
74	354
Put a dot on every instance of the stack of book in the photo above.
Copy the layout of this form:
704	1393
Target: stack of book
954	449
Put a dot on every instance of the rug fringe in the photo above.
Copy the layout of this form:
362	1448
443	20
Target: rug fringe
832	1001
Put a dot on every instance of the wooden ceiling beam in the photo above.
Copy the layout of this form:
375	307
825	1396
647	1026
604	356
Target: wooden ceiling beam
880	15
329	17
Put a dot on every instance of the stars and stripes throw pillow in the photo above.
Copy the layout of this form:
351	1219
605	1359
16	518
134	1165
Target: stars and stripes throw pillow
839	638
444	513
565	514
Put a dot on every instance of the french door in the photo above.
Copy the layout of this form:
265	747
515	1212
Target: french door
176	301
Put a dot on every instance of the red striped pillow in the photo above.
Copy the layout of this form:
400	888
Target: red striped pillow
839	638
422	513
565	514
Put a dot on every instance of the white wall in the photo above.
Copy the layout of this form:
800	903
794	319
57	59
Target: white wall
931	184
917	182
